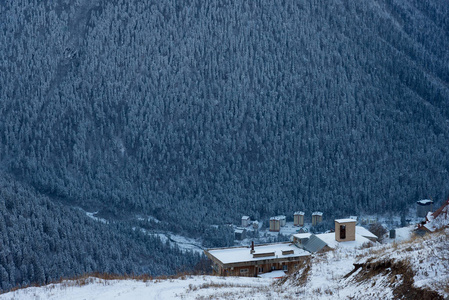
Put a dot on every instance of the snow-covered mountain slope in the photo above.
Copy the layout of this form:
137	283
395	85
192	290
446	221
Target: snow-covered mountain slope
412	269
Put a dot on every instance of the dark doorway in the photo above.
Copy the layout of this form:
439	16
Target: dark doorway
342	232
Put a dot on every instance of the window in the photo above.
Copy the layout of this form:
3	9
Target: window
285	268
260	269
342	232
243	271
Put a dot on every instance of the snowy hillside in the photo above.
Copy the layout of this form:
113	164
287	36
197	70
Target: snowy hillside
412	269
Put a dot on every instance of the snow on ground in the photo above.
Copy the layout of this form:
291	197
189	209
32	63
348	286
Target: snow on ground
289	229
149	219
329	239
383	271
185	243
92	216
332	275
402	234
273	274
428	257
193	287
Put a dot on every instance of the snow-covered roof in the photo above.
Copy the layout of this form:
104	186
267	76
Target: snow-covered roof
364	232
424	201
317	213
302	235
345	220
300	213
243	254
434	223
245	218
329	239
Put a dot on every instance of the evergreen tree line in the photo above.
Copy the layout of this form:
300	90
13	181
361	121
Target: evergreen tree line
42	241
197	112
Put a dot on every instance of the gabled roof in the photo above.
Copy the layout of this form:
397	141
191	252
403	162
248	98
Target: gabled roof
314	244
424	202
305	235
365	232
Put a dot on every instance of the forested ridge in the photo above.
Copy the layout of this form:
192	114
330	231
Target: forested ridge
196	112
42	241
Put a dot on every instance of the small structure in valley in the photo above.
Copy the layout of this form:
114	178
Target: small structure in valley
282	220
245	221
423	207
298	218
317	217
239	234
254	260
256	225
275	224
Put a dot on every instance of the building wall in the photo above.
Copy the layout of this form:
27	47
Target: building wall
252	271
422	210
282	221
275	225
298	220
316	219
350	231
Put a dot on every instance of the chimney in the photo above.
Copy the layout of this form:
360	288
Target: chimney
252	248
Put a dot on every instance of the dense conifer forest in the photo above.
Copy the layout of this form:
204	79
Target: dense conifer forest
196	112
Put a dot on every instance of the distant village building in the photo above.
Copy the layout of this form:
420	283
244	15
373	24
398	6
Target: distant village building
423	207
303	230
256	225
254	260
275	224
282	220
345	230
369	220
298	218
245	221
317	217
239	234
